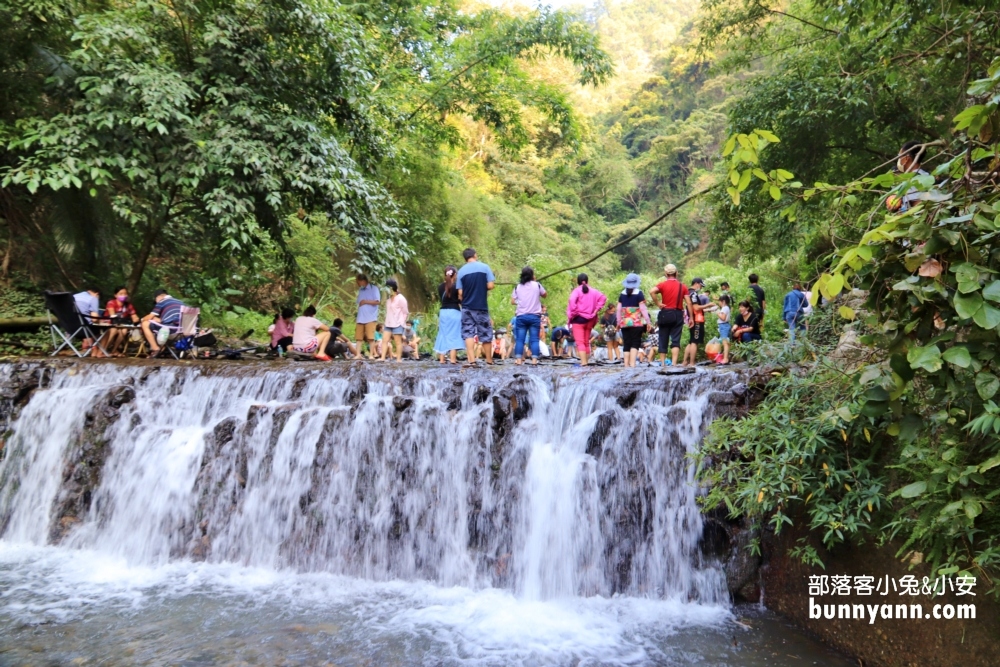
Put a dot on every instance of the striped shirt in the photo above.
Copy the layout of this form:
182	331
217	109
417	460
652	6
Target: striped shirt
169	311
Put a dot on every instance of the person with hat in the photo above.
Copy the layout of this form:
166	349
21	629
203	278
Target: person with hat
165	314
696	325
633	318
674	301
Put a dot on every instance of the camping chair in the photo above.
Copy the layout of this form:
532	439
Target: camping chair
181	338
69	324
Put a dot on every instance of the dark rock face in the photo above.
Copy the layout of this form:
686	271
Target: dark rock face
84	465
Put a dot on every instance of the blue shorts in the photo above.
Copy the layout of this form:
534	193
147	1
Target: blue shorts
724	329
398	331
476	323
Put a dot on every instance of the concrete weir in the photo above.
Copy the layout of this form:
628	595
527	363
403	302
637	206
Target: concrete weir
253	512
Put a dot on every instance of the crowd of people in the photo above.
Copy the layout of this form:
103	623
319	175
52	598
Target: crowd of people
119	322
632	327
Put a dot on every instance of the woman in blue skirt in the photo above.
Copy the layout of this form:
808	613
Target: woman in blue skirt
449	338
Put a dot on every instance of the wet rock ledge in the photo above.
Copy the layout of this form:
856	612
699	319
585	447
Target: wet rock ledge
506	389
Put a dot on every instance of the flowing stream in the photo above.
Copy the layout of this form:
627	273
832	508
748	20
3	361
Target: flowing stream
352	515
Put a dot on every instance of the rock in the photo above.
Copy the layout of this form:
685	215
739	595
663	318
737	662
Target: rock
595	444
627	400
739	390
481	395
85	463
677	370
718	398
357	390
402	402
741	565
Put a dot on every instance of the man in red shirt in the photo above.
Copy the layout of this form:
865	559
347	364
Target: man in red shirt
671	297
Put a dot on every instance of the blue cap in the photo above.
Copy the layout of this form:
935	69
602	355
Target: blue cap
631	281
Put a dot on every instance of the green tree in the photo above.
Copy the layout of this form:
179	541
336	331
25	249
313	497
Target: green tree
221	116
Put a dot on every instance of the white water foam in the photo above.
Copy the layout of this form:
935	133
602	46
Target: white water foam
568	535
461	625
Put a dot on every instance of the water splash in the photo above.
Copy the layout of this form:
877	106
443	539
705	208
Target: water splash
545	485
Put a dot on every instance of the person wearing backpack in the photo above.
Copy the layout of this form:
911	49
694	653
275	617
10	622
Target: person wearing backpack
672	298
610	324
793	310
700	304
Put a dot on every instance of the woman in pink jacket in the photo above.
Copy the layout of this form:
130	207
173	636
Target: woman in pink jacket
585	304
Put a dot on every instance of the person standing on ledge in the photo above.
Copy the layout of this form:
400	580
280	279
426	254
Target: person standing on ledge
700	303
396	312
449	338
672	298
759	297
633	318
584	307
475	280
369	299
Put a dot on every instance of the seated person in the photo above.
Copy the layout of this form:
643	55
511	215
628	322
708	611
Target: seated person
88	305
378	341
118	310
282	330
649	348
166	314
746	326
310	336
340	345
411	341
500	347
559	337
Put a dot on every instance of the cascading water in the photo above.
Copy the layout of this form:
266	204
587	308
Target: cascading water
545	489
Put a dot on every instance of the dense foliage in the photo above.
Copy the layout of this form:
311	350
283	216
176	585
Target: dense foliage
909	448
180	142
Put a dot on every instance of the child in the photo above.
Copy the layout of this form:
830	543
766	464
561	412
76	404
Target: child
725	326
378	340
499	344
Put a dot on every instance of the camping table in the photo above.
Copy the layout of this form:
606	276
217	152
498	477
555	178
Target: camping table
106	324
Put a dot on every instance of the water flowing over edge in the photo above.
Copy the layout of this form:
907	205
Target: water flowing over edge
545	485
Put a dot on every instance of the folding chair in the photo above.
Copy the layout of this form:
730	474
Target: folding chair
182	336
69	324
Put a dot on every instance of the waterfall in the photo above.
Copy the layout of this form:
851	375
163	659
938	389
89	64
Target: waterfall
546	483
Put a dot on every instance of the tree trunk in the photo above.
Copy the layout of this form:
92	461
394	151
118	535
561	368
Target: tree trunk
148	240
